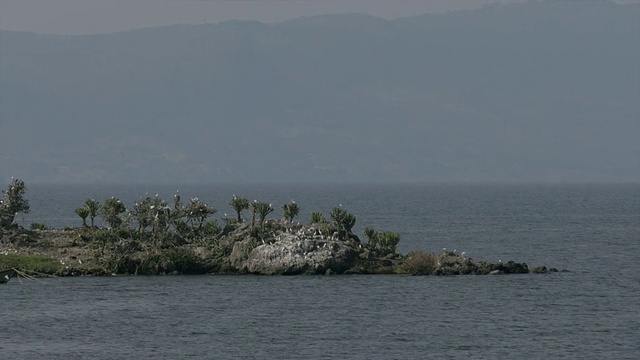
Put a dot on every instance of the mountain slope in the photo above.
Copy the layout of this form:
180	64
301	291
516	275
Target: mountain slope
539	91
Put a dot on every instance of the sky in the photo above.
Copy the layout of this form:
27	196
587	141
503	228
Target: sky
105	16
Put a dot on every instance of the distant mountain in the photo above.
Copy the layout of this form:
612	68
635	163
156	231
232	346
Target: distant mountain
536	91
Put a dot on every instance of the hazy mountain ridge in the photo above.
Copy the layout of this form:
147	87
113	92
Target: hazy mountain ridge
504	93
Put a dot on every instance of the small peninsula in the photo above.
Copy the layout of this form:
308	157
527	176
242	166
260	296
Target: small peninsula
156	237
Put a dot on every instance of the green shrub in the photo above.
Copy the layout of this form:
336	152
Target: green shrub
185	261
211	228
317	218
388	240
38	226
420	262
13	202
383	242
230	221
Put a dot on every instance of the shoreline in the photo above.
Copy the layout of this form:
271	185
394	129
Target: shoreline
75	252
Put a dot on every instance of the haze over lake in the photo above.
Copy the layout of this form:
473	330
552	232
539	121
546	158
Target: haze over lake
524	92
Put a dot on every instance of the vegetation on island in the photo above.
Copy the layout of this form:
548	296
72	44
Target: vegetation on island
180	237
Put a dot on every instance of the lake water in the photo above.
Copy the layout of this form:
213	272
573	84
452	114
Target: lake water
590	312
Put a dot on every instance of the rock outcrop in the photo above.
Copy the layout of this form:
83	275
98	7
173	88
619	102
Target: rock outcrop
294	254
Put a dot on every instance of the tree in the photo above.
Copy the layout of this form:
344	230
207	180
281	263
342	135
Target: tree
290	211
343	221
197	212
262	209
13	202
111	211
372	237
317	218
253	207
238	204
83	212
94	207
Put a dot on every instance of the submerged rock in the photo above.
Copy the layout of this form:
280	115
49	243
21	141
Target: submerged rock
540	270
451	263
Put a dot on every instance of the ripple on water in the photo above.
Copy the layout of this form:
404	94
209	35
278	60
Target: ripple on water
588	313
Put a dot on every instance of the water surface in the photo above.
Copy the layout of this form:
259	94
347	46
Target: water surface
590	312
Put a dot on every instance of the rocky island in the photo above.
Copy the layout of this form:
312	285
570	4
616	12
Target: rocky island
160	238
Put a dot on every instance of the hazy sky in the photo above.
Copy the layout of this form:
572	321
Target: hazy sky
99	16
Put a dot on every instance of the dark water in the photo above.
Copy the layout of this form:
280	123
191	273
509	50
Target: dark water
591	312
